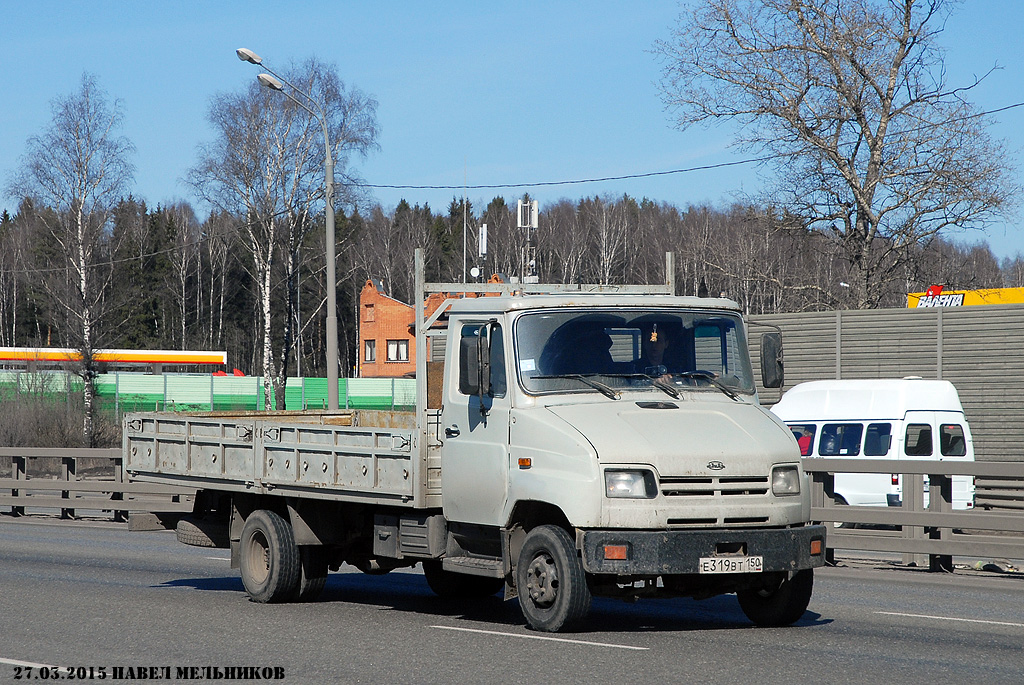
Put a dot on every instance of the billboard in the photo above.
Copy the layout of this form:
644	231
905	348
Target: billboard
937	296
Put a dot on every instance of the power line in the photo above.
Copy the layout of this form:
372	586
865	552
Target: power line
706	167
538	184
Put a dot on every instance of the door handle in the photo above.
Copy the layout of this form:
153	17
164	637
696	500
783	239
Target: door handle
452	432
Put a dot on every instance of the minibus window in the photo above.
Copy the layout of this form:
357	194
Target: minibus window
877	439
951	440
919	440
804	434
840	439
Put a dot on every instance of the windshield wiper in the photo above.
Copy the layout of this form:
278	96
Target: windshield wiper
605	390
712	379
664	386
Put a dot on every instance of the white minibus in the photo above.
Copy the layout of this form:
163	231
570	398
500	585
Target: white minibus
906	418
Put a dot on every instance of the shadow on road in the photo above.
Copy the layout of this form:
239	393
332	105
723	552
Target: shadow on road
408	592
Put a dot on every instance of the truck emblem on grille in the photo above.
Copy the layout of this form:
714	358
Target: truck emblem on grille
716	465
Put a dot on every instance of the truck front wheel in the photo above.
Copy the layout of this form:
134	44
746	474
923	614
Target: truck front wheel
550	581
780	605
269	558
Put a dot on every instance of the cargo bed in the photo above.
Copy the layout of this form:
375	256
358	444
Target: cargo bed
349	455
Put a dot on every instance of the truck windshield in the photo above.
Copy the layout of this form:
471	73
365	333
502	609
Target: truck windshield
654	350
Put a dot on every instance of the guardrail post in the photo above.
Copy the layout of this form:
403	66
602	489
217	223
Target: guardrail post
18	472
120	516
913	500
823	494
67	473
940	499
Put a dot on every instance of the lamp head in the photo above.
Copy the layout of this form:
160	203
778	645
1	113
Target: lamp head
270	82
247	55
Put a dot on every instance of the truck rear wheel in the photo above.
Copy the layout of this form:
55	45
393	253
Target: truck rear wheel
459	585
269	558
550	580
780	606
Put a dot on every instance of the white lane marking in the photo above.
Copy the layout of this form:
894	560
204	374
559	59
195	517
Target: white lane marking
220	558
951	618
26	664
542	637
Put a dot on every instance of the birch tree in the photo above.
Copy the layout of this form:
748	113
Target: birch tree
76	170
266	166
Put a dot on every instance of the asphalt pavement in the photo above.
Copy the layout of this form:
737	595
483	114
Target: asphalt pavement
96	598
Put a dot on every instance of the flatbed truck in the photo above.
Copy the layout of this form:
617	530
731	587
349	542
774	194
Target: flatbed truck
547	457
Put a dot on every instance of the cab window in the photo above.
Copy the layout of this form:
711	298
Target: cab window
918	442
951	440
499	384
840	439
877	439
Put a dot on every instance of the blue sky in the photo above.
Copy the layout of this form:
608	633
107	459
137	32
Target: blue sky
475	92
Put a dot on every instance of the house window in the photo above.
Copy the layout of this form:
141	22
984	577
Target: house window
398	350
370	351
368	313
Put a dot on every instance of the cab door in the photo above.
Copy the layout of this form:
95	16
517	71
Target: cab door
475	433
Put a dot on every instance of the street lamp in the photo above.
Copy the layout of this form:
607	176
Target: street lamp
277	82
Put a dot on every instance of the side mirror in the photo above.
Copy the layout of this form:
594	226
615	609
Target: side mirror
483	360
772	374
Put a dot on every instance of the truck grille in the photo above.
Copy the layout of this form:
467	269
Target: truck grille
713	486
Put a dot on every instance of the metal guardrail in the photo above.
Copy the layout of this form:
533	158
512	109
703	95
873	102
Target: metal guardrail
931	535
62	487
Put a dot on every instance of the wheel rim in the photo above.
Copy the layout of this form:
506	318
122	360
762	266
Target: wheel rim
542	580
258	557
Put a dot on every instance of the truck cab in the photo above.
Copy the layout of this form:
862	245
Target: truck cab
631	422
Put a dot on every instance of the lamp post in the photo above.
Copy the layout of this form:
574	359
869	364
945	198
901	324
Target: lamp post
277	82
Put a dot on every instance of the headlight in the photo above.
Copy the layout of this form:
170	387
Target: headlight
785	480
633	484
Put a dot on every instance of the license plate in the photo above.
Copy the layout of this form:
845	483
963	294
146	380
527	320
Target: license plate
731	564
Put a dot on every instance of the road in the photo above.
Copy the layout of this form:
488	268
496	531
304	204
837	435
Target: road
84	594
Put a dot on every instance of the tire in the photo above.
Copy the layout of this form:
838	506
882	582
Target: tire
552	586
782	606
269	558
202	533
312	573
451	585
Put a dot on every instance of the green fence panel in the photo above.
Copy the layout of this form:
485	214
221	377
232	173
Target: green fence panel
237	393
128	391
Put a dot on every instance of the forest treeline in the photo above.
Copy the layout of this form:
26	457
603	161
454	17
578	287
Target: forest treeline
175	281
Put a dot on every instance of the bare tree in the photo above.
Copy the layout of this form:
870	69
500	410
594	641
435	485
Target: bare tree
76	170
849	101
266	165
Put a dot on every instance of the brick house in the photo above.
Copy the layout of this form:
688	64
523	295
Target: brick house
387	334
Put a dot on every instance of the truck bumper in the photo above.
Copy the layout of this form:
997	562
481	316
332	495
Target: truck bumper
680	551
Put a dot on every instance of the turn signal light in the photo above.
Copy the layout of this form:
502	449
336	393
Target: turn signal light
525	462
615	552
817	547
